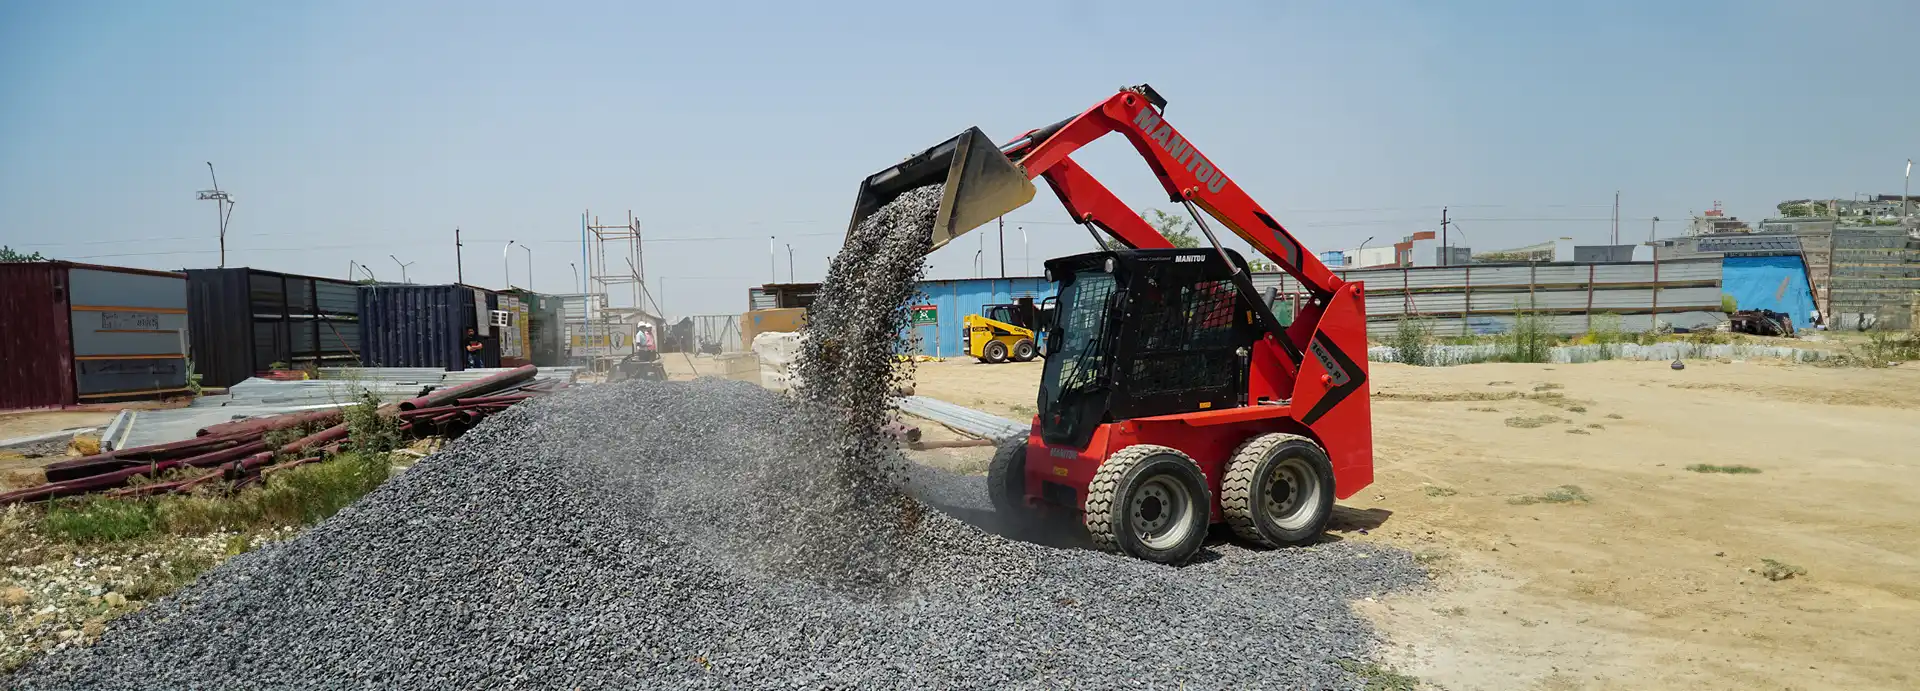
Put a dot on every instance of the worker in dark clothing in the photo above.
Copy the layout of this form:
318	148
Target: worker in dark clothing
473	346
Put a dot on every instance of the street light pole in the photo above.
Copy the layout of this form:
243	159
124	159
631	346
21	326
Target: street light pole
576	272
529	266
1905	187
1360	254
505	268
790	278
403	268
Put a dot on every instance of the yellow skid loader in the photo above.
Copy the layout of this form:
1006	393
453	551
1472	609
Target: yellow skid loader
1006	331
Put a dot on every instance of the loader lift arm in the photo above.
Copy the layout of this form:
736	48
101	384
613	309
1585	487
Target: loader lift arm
1189	177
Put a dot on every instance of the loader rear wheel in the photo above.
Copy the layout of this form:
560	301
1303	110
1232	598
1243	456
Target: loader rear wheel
1149	502
1278	490
1023	350
993	352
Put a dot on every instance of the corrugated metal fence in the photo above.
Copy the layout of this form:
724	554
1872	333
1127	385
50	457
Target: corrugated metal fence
1484	298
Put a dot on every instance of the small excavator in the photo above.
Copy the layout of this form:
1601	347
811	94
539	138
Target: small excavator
1172	398
1003	332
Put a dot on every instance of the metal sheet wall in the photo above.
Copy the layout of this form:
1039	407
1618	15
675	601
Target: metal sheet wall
419	326
129	332
953	299
36	353
1457	298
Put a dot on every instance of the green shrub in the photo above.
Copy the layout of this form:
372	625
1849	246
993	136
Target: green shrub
368	431
1412	341
1530	340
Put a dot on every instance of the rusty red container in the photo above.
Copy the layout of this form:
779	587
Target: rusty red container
36	338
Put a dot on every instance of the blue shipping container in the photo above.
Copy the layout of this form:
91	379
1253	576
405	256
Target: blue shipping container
942	303
423	326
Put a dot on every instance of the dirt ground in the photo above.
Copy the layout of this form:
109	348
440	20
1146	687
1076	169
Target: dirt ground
27	424
1642	574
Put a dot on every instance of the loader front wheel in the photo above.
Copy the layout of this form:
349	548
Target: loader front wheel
1278	490
1007	481
1023	350
993	352
1149	502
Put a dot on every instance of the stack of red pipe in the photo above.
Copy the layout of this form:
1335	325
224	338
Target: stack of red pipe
238	451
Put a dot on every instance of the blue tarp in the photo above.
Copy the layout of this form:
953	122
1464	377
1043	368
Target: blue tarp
1769	283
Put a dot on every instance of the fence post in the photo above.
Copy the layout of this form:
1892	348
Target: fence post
1466	301
1589	298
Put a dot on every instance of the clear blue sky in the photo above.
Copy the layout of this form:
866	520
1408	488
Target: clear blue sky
354	130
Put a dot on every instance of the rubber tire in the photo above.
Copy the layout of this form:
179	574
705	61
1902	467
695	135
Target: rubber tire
1023	345
1243	488
1123	473
1007	480
993	352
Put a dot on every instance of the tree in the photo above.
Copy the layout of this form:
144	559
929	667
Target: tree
1177	229
1258	265
8	255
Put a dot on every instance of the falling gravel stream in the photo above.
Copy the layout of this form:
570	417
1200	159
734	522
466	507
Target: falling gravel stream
716	535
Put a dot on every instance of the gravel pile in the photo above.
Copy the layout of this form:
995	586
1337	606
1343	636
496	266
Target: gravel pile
715	535
629	536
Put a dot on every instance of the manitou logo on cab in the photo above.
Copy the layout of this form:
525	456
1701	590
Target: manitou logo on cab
1163	134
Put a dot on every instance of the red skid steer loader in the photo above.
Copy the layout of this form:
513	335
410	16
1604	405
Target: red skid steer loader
1172	397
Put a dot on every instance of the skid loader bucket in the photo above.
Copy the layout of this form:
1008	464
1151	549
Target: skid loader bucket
981	185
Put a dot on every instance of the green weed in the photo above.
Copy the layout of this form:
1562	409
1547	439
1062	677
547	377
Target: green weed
1379	677
1727	469
1564	494
1524	422
1776	570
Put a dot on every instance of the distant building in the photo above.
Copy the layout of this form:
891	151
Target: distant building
1883	208
1542	252
1604	253
1717	222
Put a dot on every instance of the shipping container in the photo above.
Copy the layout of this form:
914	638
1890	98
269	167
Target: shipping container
79	333
545	331
244	321
36	347
424	326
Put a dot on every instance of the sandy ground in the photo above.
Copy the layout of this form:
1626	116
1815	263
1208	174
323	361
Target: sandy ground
1654	580
26	424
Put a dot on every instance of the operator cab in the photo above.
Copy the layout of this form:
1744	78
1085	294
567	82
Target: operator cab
1192	334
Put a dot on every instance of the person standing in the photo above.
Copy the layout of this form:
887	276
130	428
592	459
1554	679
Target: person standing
473	345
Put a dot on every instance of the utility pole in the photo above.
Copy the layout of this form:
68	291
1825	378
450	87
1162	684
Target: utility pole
1616	218
1446	254
459	266
1003	247
1653	229
773	267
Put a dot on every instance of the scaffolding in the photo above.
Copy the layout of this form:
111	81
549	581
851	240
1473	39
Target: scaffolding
613	258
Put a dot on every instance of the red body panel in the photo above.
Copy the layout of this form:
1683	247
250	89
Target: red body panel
1324	396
